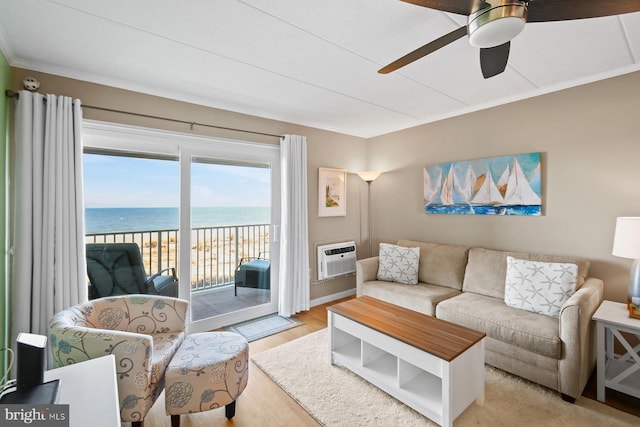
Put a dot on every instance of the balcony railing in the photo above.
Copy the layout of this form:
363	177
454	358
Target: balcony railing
215	251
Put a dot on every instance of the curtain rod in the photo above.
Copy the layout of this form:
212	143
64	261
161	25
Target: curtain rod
15	95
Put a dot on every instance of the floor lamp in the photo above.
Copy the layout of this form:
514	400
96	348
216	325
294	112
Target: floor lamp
369	177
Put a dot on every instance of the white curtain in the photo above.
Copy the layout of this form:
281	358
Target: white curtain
49	266
294	244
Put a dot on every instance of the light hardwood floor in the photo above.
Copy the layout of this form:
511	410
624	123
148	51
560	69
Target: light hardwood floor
263	403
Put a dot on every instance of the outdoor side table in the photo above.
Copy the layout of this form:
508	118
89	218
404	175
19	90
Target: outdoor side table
619	372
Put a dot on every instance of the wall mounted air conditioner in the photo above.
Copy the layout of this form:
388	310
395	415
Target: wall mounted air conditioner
336	259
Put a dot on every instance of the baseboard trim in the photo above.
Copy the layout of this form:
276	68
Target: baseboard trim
332	297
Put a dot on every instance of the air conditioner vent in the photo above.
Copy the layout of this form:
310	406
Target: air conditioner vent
336	259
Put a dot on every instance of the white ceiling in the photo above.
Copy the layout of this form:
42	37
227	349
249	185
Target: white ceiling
308	62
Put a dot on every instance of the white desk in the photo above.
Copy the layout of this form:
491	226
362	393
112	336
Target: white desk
91	391
618	372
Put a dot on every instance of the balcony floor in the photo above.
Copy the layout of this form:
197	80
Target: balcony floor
222	300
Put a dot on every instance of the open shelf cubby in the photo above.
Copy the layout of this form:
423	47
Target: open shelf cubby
420	384
346	346
379	363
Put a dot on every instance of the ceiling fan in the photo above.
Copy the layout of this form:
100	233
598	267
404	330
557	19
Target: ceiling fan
492	24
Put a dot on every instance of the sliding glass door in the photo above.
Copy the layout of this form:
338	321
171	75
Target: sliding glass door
211	209
230	236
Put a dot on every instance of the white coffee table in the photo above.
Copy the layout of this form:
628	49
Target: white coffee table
434	366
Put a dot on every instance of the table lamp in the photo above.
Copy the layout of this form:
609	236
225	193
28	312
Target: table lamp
626	244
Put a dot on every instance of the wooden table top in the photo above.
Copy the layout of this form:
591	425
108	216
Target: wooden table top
443	339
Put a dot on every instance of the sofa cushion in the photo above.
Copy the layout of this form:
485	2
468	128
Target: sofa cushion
421	297
539	287
398	264
440	264
486	270
530	331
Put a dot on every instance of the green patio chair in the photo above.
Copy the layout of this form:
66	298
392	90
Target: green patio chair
117	269
253	272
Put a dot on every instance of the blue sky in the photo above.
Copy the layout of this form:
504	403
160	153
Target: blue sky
113	181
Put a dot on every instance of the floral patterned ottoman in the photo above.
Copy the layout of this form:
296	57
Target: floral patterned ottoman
208	371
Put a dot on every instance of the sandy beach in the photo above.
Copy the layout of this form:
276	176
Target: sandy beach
215	252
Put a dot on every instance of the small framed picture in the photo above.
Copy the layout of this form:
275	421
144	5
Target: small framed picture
332	192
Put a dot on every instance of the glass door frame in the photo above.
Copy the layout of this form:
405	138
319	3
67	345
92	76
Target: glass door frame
111	136
239	152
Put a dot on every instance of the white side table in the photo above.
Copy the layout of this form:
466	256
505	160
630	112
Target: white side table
619	372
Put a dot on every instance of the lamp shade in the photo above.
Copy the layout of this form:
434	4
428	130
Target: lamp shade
626	241
369	176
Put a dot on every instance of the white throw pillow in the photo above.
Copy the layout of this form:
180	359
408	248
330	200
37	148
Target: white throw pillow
398	264
540	287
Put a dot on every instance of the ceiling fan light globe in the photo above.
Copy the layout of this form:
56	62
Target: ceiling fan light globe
496	25
496	33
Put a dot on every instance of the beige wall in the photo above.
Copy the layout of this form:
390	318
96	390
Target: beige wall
327	149
589	137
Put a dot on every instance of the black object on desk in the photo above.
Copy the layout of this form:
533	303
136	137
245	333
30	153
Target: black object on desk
31	360
41	394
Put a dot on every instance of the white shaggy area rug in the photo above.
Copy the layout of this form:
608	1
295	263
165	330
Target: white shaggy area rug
335	396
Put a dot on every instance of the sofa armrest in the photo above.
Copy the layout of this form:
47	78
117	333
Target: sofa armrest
578	337
366	269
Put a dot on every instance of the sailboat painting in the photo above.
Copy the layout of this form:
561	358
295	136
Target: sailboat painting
506	185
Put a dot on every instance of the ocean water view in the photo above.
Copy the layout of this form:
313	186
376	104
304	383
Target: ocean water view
111	220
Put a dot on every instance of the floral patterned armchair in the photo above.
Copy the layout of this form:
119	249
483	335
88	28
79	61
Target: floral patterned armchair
143	332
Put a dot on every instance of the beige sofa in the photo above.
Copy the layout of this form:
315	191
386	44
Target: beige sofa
465	285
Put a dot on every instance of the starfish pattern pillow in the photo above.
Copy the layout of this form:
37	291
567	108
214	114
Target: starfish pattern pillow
398	264
540	287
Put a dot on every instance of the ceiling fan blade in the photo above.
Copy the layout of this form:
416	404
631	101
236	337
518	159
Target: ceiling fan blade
493	60
461	7
424	50
562	10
